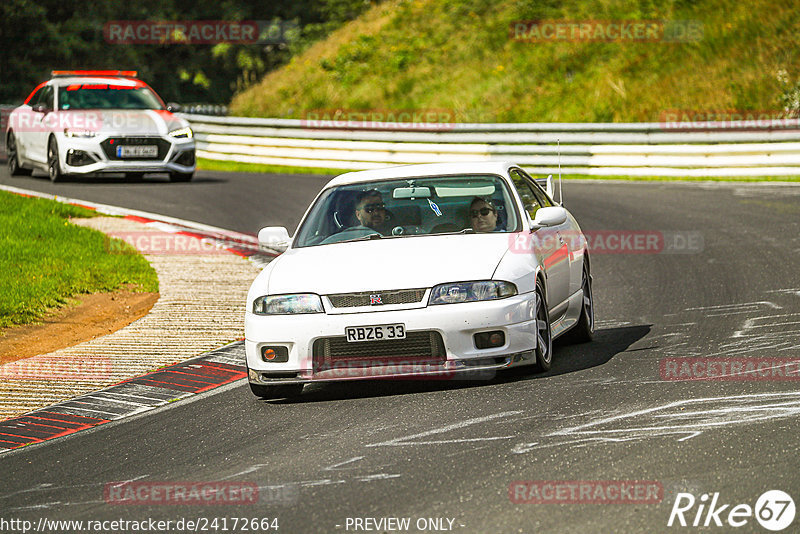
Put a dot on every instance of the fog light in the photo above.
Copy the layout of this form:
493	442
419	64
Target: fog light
276	354
489	340
186	158
76	158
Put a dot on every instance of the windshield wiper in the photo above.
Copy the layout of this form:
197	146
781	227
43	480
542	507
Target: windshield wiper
364	238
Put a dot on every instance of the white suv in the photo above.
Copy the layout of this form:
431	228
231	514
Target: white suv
93	122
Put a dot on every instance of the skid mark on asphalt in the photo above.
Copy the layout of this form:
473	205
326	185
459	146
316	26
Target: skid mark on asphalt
683	420
407	440
734	309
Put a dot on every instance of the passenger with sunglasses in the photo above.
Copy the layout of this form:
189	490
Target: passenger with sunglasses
371	211
483	215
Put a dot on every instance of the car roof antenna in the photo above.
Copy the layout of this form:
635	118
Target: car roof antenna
560	190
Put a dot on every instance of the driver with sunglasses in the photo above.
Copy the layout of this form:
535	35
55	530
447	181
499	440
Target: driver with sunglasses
371	211
483	215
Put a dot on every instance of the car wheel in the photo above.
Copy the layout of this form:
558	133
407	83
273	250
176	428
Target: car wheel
544	339
181	176
14	168
276	392
53	165
584	331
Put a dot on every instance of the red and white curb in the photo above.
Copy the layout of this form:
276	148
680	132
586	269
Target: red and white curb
241	244
130	397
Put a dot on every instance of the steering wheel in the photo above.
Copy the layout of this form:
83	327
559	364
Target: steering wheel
354	232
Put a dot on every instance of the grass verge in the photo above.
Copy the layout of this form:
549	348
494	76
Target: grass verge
232	166
45	260
235	166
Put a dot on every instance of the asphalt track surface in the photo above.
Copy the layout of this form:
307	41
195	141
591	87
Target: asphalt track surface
451	449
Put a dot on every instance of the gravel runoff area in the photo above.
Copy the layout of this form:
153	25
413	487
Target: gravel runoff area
201	307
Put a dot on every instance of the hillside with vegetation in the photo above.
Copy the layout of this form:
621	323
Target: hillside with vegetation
461	56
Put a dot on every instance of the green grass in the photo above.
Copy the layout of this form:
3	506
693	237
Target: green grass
234	166
230	166
458	56
45	260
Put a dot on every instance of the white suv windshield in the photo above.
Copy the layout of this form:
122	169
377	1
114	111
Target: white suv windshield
106	96
410	207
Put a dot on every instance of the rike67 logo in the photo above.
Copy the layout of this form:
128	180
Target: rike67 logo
774	510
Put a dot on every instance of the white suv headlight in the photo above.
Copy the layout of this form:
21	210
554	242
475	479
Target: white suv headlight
287	304
182	132
471	292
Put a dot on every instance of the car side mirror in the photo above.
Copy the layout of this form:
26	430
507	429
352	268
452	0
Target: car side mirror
40	108
173	107
274	237
551	216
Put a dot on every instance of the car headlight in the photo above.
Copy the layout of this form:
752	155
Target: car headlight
471	292
72	132
182	132
287	304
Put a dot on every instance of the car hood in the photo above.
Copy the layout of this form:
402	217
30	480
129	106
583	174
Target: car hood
123	122
389	263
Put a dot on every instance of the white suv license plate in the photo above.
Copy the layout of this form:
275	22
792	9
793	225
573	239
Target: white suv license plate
137	151
355	334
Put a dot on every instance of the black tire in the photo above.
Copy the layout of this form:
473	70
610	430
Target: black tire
276	392
53	165
583	332
14	168
181	176
544	338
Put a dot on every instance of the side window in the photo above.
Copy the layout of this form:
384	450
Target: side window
529	200
34	100
541	195
544	200
47	97
43	97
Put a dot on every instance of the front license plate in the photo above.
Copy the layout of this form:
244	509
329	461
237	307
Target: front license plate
375	333
137	151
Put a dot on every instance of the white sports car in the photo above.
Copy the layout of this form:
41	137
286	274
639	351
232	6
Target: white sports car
420	271
92	122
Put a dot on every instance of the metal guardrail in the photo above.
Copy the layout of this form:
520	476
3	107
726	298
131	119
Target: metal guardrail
600	149
633	149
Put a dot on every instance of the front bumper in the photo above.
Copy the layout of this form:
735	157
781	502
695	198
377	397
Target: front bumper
456	323
178	155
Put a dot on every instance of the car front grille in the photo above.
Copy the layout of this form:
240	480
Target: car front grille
352	300
110	147
421	346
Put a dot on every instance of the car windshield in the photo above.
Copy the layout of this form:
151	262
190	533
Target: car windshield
410	207
107	96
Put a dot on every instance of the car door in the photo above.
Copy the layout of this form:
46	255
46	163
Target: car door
572	239
547	243
24	118
41	122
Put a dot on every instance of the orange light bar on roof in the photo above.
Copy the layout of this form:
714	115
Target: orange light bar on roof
126	73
